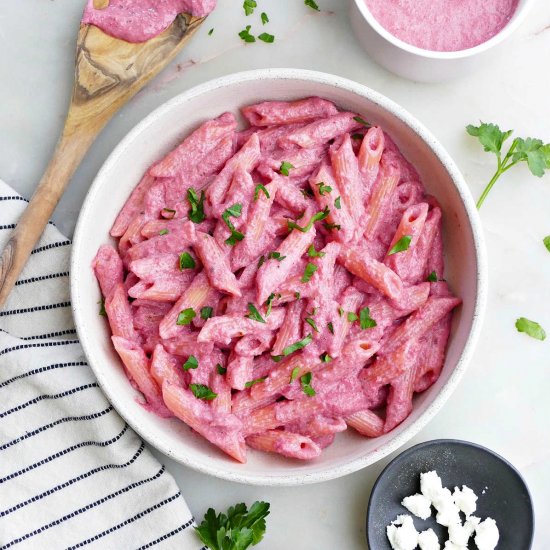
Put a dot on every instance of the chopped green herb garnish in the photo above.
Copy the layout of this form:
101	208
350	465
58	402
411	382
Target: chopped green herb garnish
102	310
311	323
221	370
294	374
235	212
275	256
171	213
324	189
331	226
357	136
259	188
164	232
531	328
361	121
546	242
254	314
352	316
210	32
330	327
196	213
269	302
313	311
186	316
432	277
285	168
191	363
293	347
200	391
325	358
315	218
261	261
253	382
264	17
340	311
312	4
337	203
207	312
187	261
297	295
236	530
305	381
312	253
309	271
246	36
365	320
401	245
248	6
308	193
266	37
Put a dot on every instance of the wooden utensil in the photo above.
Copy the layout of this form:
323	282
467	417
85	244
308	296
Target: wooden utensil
108	73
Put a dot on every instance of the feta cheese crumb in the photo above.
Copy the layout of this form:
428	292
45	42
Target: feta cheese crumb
430	484
427	540
419	505
465	500
452	546
447	510
402	533
460	534
487	535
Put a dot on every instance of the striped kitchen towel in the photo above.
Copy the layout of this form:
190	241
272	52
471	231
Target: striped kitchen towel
72	473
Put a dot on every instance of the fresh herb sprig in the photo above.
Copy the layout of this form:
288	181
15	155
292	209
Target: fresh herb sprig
532	151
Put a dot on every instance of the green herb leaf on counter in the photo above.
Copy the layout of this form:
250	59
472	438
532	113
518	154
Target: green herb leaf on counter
312	4
337	203
401	245
362	121
207	312
546	242
187	261
308	272
210	31
365	320
305	381
532	151
266	37
530	328
196	213
186	316
251	383
312	323
257	190
200	391
191	363
221	370
248	6
315	218
254	314
264	17
236	530
164	232
246	36
293	347
285	168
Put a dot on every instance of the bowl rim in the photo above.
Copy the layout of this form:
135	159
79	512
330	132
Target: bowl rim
517	18
349	466
459	442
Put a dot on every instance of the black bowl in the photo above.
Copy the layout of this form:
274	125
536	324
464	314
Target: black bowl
503	494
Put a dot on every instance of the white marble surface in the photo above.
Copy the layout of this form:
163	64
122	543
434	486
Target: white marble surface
503	401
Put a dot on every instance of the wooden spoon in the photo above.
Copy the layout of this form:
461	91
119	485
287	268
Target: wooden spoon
108	73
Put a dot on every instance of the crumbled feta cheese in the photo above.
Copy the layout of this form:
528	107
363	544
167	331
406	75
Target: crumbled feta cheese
460	534
402	533
452	546
473	522
419	505
430	484
447	510
465	500
427	540
486	535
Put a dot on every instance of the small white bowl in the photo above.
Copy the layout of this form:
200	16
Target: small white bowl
425	65
160	132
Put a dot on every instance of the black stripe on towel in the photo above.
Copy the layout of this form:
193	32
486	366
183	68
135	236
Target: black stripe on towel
39	345
126	522
74	480
45	307
8	226
167	535
42	278
84	509
28	435
14	198
50	335
44	369
50	246
63	453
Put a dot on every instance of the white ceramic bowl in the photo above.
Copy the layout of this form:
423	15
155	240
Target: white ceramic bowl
425	65
155	136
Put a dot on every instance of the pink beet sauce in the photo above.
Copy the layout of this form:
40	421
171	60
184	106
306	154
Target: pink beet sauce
443	25
141	20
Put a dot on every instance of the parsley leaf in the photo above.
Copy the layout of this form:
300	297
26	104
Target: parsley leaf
254	314
264	17
401	245
196	213
330	327
221	370
235	212
275	256
337	203
248	6
546	242
191	363
187	261
261	261
312	253
285	168
200	391
294	374
305	381
315	218
352	316
266	37
365	320
361	121
251	383
257	190
331	226
309	271
102	310
325	358
269	302
211	31
186	316
297	295
531	328
246	36
311	323
207	312
293	347
532	151
432	277
164	232
236	530
324	189
312	4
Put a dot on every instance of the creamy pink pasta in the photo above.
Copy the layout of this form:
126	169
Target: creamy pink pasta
275	285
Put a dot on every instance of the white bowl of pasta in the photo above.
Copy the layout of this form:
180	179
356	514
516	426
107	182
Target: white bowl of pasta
276	278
